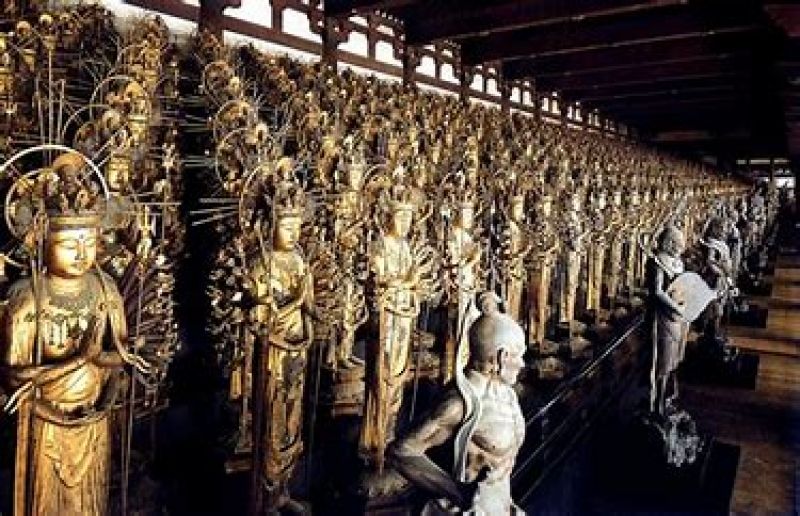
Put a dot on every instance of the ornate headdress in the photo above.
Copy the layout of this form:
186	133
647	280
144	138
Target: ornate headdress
290	198
69	193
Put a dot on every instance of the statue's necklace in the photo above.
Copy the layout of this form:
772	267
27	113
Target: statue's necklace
74	302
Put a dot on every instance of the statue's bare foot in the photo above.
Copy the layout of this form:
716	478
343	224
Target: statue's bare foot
385	484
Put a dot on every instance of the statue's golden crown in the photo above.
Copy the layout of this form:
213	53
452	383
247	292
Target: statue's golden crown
63	192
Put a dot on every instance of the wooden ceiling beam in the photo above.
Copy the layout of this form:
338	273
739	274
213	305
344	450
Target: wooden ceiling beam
648	105
679	107
458	19
652	72
645	84
610	99
626	66
349	7
626	56
622	31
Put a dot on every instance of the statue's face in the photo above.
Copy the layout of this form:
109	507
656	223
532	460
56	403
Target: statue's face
547	207
356	176
71	252
287	232
118	173
401	222
511	362
348	206
518	209
466	217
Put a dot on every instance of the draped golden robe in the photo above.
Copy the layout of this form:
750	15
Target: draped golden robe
63	449
283	280
388	359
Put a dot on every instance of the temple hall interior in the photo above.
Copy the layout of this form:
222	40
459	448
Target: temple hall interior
399	257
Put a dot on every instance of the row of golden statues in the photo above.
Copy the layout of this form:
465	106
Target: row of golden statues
355	222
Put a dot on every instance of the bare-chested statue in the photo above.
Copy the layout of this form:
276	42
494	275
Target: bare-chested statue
482	416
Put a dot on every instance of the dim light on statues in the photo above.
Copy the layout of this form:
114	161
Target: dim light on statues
64	381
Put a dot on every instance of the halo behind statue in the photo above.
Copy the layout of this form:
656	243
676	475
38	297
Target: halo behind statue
61	190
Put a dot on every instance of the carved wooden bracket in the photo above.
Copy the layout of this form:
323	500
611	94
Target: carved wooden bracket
212	18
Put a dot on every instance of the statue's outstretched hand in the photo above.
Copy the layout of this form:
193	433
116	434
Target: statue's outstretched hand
139	363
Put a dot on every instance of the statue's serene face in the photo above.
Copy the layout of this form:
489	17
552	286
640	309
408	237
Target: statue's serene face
71	252
401	222
118	174
547	207
518	209
466	217
287	232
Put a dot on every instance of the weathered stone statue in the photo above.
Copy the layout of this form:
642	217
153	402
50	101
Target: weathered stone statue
481	416
676	298
670	329
719	274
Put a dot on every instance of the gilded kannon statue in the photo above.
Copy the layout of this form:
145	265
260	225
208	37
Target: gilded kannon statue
596	255
64	347
572	258
395	279
542	261
281	287
616	246
516	248
463	258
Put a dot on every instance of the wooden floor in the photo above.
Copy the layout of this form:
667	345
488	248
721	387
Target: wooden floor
764	422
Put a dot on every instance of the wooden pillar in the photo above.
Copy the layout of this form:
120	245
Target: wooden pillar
464	81
410	63
212	18
505	95
330	41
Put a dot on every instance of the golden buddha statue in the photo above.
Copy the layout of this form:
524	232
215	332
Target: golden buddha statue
281	287
515	249
572	258
395	277
543	260
596	254
349	299
616	245
6	70
55	323
632	248
462	259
